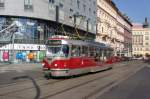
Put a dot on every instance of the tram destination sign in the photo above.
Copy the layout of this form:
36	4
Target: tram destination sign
54	42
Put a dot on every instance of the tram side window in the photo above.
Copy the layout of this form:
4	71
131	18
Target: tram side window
105	55
92	51
65	50
101	54
76	50
111	53
97	54
108	53
84	51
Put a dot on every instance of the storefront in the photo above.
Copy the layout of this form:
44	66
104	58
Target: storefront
22	53
27	42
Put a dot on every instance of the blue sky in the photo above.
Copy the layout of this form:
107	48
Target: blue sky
137	10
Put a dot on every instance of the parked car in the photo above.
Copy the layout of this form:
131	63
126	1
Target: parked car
124	58
137	58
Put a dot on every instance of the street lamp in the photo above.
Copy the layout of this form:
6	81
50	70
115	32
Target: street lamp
75	16
13	30
87	25
57	18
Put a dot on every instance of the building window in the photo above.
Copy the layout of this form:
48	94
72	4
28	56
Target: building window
52	1
94	12
134	49
89	9
146	49
102	29
94	3
61	5
146	37
146	43
146	33
84	7
78	4
71	2
2	3
71	10
28	5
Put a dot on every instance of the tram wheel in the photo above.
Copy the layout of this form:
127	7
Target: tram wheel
47	76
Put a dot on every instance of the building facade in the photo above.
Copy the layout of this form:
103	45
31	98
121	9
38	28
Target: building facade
48	15
113	28
141	40
31	22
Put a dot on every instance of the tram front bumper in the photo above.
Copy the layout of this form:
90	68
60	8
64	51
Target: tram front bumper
47	72
59	72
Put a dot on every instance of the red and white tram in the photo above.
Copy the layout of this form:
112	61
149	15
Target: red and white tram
67	57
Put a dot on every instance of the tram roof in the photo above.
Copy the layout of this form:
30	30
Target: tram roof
81	42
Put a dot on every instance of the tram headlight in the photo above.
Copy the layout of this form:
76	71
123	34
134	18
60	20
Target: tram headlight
43	64
55	65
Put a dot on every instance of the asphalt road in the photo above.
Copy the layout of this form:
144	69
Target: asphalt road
9	71
136	87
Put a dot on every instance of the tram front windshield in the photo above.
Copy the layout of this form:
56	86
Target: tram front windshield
57	51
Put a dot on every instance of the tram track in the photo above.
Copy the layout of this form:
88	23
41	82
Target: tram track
126	74
98	90
27	88
17	82
76	86
69	88
108	74
47	83
21	81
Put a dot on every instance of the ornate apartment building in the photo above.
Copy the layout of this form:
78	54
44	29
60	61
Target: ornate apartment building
113	28
141	40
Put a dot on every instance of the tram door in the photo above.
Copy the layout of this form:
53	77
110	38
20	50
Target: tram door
75	60
86	60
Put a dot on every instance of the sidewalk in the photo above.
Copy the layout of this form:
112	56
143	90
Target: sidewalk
21	65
